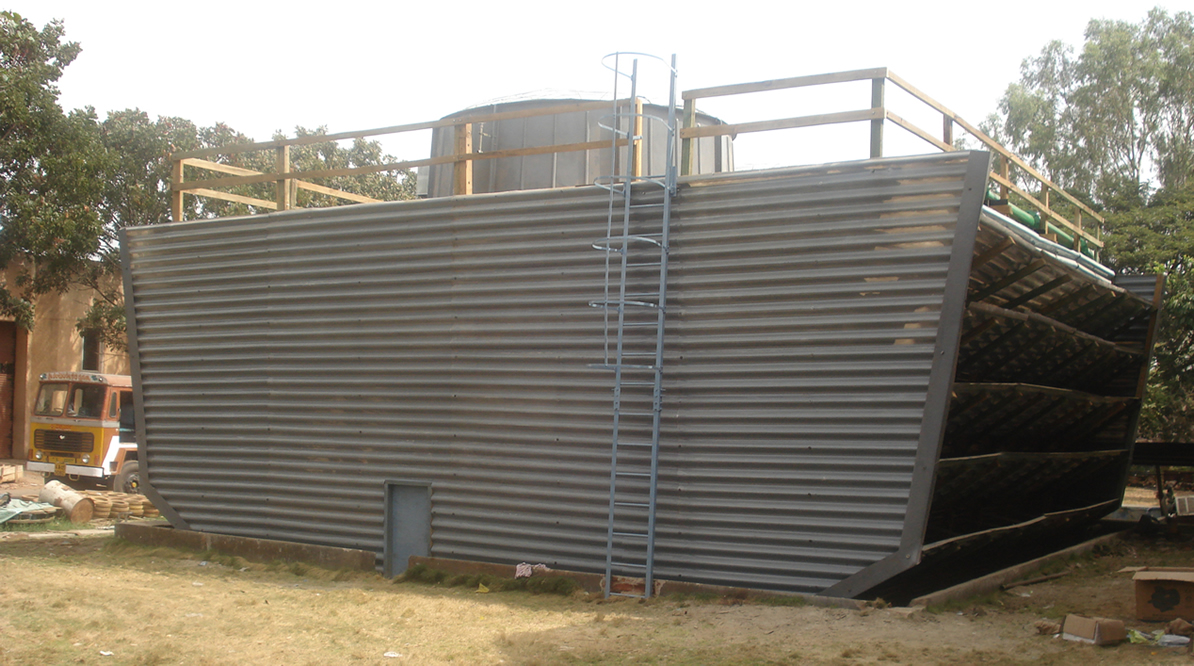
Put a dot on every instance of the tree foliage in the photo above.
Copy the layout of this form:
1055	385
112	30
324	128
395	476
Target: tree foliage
70	183
1106	122
50	168
1159	238
1114	124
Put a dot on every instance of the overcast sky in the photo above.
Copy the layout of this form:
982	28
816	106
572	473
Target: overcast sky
267	66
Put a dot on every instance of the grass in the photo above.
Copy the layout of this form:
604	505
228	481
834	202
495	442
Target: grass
558	585
59	524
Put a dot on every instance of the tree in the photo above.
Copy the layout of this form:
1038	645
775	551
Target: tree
50	168
1109	122
1115	125
69	183
1159	238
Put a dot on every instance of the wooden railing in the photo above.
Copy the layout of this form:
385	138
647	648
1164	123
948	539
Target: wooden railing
287	182
876	115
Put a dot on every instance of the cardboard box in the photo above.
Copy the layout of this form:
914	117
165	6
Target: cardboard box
1093	630
1164	593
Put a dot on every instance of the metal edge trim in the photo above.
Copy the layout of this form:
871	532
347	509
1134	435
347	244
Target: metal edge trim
130	318
1132	430
941	375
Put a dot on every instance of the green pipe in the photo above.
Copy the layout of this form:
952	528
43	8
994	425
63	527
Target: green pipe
1032	220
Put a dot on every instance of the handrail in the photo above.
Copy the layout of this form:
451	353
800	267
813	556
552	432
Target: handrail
287	180
877	114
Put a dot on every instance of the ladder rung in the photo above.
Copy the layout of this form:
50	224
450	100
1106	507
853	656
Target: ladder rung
634	504
642	475
614	305
652	384
632	565
636	412
632	535
625	366
636	444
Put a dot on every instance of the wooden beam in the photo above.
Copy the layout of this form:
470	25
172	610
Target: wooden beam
783	84
462	175
216	166
332	192
236	198
176	175
396	129
783	123
919	132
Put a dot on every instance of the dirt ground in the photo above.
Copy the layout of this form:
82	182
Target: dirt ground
98	600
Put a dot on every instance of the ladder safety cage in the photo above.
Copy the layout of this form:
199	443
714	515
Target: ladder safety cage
635	305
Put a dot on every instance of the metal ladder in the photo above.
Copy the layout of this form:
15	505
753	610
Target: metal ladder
635	305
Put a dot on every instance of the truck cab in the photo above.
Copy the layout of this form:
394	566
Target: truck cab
82	430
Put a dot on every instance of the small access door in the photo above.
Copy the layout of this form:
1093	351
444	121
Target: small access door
408	523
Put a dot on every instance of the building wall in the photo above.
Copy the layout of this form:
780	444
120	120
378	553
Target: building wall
52	345
300	361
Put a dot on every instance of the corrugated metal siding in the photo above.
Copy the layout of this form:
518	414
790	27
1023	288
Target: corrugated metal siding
291	363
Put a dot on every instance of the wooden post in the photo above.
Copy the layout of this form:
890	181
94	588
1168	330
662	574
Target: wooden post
175	193
462	182
1003	171
282	164
877	124
636	158
947	130
688	147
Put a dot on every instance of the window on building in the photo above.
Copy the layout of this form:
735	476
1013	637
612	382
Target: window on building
91	350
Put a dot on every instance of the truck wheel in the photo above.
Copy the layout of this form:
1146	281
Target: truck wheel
129	478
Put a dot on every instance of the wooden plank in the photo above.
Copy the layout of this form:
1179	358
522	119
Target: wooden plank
782	123
216	166
236	198
176	175
318	173
339	194
919	132
783	84
397	129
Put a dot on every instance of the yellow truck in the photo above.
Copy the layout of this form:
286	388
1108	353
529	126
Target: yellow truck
82	430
